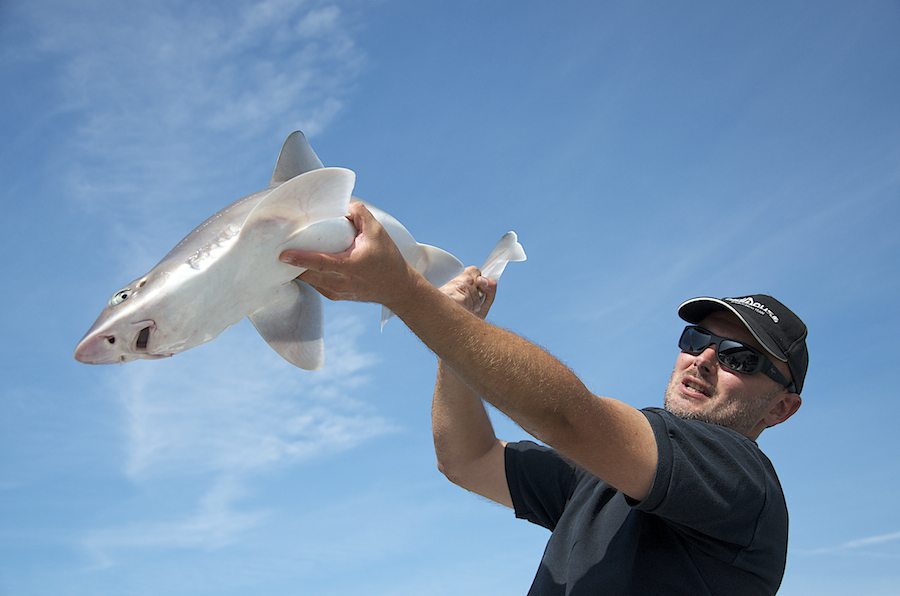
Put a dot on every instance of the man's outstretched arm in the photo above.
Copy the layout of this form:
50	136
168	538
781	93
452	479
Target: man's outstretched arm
468	452
609	438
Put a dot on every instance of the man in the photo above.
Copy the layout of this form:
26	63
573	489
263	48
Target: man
675	501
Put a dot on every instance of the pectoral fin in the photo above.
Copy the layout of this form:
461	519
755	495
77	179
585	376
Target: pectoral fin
292	323
304	200
306	212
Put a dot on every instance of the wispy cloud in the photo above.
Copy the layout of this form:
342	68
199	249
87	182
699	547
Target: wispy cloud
214	522
224	414
860	546
159	92
248	64
230	406
872	540
158	97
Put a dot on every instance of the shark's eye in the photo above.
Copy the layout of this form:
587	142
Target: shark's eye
111	339
120	297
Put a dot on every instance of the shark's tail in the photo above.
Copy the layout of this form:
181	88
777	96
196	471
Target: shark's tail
442	266
508	249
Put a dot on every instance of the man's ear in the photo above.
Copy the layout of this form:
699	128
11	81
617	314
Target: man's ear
783	407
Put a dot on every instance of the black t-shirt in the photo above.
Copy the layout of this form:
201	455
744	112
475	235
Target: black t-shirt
715	521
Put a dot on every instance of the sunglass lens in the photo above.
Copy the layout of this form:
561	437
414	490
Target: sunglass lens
738	357
694	341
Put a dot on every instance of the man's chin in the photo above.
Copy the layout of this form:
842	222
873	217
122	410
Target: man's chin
738	420
684	406
690	408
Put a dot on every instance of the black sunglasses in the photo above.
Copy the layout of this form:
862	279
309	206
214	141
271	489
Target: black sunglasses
732	354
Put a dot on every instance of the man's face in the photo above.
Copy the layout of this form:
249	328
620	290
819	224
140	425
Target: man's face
702	389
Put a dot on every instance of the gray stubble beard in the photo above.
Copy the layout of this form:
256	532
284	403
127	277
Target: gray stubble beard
740	419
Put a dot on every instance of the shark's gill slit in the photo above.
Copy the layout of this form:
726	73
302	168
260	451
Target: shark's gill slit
142	339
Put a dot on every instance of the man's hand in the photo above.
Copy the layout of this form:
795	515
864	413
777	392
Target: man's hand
609	438
371	270
472	291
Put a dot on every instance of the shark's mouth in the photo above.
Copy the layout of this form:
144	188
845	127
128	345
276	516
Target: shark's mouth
140	344
142	341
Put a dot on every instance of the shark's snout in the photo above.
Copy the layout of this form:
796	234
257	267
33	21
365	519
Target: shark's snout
102	349
116	345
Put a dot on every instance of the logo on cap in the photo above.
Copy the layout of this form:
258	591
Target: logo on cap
759	307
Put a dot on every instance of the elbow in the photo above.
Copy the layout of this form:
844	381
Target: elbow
475	469
453	473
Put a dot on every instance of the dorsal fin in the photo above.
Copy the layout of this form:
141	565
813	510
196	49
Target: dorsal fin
296	158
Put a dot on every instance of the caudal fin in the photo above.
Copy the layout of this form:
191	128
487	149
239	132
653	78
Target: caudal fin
508	249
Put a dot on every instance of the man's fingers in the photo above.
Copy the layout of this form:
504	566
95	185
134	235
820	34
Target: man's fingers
360	216
471	290
487	291
314	261
325	262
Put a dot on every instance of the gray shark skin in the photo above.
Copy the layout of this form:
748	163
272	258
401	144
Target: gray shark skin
228	269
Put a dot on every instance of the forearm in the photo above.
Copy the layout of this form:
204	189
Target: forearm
516	376
468	452
609	438
462	429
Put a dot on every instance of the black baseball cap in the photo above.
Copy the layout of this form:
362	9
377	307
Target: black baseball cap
779	330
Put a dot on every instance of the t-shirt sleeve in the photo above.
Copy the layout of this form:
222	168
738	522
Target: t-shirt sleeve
540	482
710	481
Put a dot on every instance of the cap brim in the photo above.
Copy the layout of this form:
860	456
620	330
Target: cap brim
697	309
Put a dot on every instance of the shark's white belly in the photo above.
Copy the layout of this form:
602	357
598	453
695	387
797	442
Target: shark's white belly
222	285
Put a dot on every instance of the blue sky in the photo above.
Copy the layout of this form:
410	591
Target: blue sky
645	153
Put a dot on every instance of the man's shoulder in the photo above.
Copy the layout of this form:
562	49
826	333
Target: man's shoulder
711	446
661	418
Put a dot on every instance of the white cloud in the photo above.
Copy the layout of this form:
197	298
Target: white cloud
224	414
154	90
214	523
872	540
233	406
161	92
860	546
167	71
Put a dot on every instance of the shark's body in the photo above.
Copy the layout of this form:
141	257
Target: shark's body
228	269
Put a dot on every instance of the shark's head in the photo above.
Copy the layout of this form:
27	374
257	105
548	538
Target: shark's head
124	331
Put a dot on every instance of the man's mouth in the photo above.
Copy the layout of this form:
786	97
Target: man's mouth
695	388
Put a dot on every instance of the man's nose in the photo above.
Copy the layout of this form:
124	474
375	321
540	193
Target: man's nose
707	360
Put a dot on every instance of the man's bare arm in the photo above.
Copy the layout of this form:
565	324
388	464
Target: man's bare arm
468	452
609	438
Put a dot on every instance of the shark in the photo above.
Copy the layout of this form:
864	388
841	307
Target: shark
227	269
